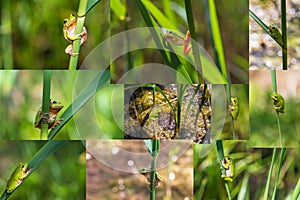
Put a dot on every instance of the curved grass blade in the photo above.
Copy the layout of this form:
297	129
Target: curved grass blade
91	4
100	79
174	61
158	15
118	8
190	20
212	18
46	102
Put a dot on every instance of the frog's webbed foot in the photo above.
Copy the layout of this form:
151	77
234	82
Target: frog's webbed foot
69	50
57	121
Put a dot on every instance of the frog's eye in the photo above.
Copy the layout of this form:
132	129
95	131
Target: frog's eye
65	21
73	15
54	102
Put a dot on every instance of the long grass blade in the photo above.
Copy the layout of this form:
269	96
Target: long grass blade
100	79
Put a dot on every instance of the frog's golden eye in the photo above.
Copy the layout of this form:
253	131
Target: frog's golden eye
73	15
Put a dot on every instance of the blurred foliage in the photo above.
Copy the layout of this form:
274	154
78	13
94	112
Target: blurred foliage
251	171
54	179
263	122
21	96
37	37
234	30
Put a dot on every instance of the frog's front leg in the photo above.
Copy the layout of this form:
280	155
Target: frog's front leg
57	121
69	50
82	37
187	48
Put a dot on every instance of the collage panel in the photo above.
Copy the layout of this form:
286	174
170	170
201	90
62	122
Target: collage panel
42	170
167	112
274	115
274	35
121	169
83	105
231	170
230	112
40	34
152	36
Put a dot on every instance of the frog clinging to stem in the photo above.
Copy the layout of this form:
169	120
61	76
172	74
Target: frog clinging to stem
275	33
147	173
278	102
228	166
70	34
234	108
177	40
17	177
48	118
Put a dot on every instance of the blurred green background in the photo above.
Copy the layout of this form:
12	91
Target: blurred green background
32	37
263	121
251	172
61	176
21	97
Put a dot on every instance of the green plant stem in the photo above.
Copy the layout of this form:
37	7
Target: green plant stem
154	154
227	190
228	103
258	21
211	15
46	102
274	87
79	26
195	49
282	152
284	34
233	129
274	82
228	93
296	192
279	129
269	175
6	23
129	64
220	150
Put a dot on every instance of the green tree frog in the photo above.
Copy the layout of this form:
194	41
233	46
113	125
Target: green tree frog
17	177
177	40
147	173
228	165
234	108
70	35
274	31
278	102
48	118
